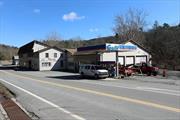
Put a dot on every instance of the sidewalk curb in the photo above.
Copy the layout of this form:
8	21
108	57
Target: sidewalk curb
20	106
12	110
4	113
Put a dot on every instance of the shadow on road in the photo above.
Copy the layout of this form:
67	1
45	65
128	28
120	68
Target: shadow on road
67	77
7	67
14	67
72	77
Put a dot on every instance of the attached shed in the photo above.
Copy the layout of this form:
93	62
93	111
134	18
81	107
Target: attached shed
15	60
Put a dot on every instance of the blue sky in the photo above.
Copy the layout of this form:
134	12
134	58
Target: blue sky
22	21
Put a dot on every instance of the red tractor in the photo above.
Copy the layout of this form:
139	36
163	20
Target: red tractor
126	71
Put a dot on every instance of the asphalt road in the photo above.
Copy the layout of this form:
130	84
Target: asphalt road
64	96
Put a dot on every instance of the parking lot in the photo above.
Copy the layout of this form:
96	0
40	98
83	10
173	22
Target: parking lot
62	95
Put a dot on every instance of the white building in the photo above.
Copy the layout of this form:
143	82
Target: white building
38	56
128	53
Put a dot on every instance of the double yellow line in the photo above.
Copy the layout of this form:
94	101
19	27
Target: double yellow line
141	102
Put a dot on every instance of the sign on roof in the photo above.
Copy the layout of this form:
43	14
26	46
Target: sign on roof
120	47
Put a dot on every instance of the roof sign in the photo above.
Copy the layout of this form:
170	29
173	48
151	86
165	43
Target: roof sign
120	47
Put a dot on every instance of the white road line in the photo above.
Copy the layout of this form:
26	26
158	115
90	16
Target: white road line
77	117
155	90
159	89
140	88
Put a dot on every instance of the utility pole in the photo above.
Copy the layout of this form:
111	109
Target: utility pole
117	64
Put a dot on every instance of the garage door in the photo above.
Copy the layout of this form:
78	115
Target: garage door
140	59
121	60
129	60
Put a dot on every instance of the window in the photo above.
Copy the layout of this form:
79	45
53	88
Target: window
55	55
87	67
46	64
93	68
47	55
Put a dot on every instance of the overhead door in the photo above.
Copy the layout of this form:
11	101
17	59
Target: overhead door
121	60
129	60
140	59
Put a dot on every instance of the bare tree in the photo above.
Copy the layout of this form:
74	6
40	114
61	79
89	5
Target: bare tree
130	25
53	36
52	39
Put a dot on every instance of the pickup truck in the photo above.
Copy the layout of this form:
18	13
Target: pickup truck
145	68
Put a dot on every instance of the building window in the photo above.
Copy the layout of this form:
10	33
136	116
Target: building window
46	64
55	55
47	55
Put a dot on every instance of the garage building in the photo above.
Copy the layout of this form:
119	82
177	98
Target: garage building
128	53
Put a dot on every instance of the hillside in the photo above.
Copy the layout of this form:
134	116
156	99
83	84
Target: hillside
6	52
162	41
80	43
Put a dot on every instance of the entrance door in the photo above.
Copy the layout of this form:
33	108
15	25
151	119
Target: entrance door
30	63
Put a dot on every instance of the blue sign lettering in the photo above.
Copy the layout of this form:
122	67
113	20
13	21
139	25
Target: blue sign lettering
119	47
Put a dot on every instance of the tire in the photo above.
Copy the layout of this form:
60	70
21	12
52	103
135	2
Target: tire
154	73
82	75
148	73
96	76
129	74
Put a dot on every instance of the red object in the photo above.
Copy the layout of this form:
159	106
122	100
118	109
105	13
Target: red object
145	69
125	71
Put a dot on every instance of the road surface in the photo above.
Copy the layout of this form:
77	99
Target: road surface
64	96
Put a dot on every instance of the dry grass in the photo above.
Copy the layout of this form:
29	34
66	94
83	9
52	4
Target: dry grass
4	91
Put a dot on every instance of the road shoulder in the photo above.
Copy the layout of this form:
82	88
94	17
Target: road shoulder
9	109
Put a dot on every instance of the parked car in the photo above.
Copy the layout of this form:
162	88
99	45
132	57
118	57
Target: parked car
145	68
95	71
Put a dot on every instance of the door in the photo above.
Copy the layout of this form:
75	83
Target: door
121	60
140	59
30	64
129	60
92	71
87	70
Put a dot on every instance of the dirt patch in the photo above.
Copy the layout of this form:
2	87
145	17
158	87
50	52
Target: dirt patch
5	92
13	111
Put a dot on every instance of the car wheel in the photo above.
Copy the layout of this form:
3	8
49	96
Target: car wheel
96	76
148	73
129	74
82	75
154	73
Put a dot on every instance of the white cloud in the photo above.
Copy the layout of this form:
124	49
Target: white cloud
72	16
1	3
37	11
93	30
